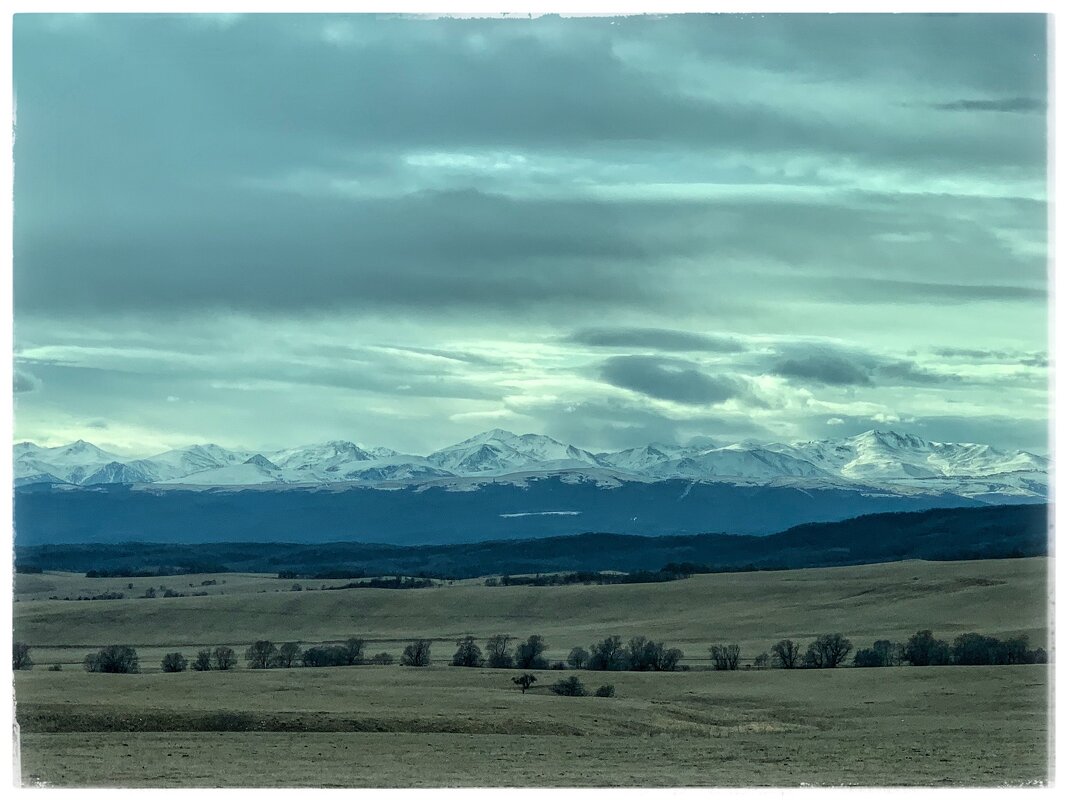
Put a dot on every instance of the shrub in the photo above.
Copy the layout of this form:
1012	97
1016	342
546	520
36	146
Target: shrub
762	660
113	659
524	681
498	655
606	691
468	654
569	686
224	658
528	655
325	656
558	665
173	663
417	654
725	657
56	667
203	660
20	656
383	658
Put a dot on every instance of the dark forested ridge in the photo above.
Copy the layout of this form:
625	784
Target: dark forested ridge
541	506
939	534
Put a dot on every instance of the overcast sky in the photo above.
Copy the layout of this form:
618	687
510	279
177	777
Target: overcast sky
274	230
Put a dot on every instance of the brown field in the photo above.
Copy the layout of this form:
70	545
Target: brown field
443	726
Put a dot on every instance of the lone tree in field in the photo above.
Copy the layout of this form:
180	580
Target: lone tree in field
524	681
288	654
468	654
725	657
224	658
828	651
173	663
417	654
569	686
113	659
260	654
787	654
528	655
20	656
498	654
923	649
353	651
203	660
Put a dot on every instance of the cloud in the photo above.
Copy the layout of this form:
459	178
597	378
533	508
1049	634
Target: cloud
669	379
25	382
654	338
1025	105
905	372
824	367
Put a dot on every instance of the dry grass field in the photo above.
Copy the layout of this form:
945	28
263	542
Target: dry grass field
445	726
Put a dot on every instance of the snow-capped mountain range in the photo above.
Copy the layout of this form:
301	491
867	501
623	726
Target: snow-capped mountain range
874	458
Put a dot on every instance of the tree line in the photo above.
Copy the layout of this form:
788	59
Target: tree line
611	653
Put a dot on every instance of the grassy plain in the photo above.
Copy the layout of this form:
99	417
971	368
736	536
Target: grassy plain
442	726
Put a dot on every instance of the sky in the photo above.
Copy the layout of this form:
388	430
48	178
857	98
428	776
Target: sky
266	231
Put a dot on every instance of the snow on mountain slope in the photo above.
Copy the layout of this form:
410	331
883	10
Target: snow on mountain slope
119	473
500	451
886	455
192	459
737	461
235	475
880	461
319	457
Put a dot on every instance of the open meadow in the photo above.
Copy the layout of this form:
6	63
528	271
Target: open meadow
448	726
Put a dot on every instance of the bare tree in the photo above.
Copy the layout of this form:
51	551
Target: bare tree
20	656
762	660
417	654
224	657
288	654
498	654
468	654
353	651
828	651
261	654
173	663
787	654
725	657
524	681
